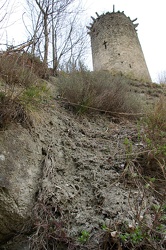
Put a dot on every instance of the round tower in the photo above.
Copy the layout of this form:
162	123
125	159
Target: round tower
116	47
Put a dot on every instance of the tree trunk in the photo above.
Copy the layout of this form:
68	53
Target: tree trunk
46	33
54	48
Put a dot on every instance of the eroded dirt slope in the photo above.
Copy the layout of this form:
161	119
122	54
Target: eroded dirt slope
82	164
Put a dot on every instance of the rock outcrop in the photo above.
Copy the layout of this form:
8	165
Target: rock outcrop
20	159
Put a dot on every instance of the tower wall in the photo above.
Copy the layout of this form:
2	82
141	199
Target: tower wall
116	47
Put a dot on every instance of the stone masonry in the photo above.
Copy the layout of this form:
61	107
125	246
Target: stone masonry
116	47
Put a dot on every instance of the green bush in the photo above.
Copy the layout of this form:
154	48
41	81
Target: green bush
87	91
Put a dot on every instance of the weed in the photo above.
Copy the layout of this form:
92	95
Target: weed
156	119
49	229
134	237
150	179
19	88
34	94
11	110
128	145
84	237
2	96
16	107
104	227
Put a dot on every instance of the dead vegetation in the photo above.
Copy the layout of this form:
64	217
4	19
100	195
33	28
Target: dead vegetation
89	91
21	87
13	110
21	68
144	170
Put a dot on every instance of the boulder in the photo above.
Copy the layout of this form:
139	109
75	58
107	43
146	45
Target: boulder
20	159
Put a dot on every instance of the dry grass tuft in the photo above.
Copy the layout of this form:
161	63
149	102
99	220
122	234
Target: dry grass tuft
20	87
11	110
86	91
21	69
13	71
156	119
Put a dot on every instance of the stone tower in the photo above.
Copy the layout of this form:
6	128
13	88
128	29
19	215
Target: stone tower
116	47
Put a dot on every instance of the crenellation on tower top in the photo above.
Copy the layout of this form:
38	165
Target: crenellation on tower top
136	25
134	20
113	8
94	19
109	13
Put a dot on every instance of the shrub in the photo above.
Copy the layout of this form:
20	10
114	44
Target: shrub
156	119
20	87
11	110
87	91
155	133
16	104
14	71
36	65
21	69
154	159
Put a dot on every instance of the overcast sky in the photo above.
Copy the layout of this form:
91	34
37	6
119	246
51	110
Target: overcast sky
151	30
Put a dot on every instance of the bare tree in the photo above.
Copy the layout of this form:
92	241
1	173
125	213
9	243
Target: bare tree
1	10
10	15
5	12
162	77
55	27
35	31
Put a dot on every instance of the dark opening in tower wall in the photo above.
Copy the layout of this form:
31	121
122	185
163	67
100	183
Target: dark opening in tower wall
105	44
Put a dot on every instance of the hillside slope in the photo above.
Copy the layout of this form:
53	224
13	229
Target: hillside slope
84	180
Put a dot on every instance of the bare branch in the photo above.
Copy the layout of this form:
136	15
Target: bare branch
54	27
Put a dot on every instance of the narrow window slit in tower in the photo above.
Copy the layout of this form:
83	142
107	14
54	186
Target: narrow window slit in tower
105	44
130	66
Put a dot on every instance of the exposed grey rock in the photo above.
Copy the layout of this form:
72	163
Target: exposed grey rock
19	173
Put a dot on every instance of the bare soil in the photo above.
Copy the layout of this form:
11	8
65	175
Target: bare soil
85	183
